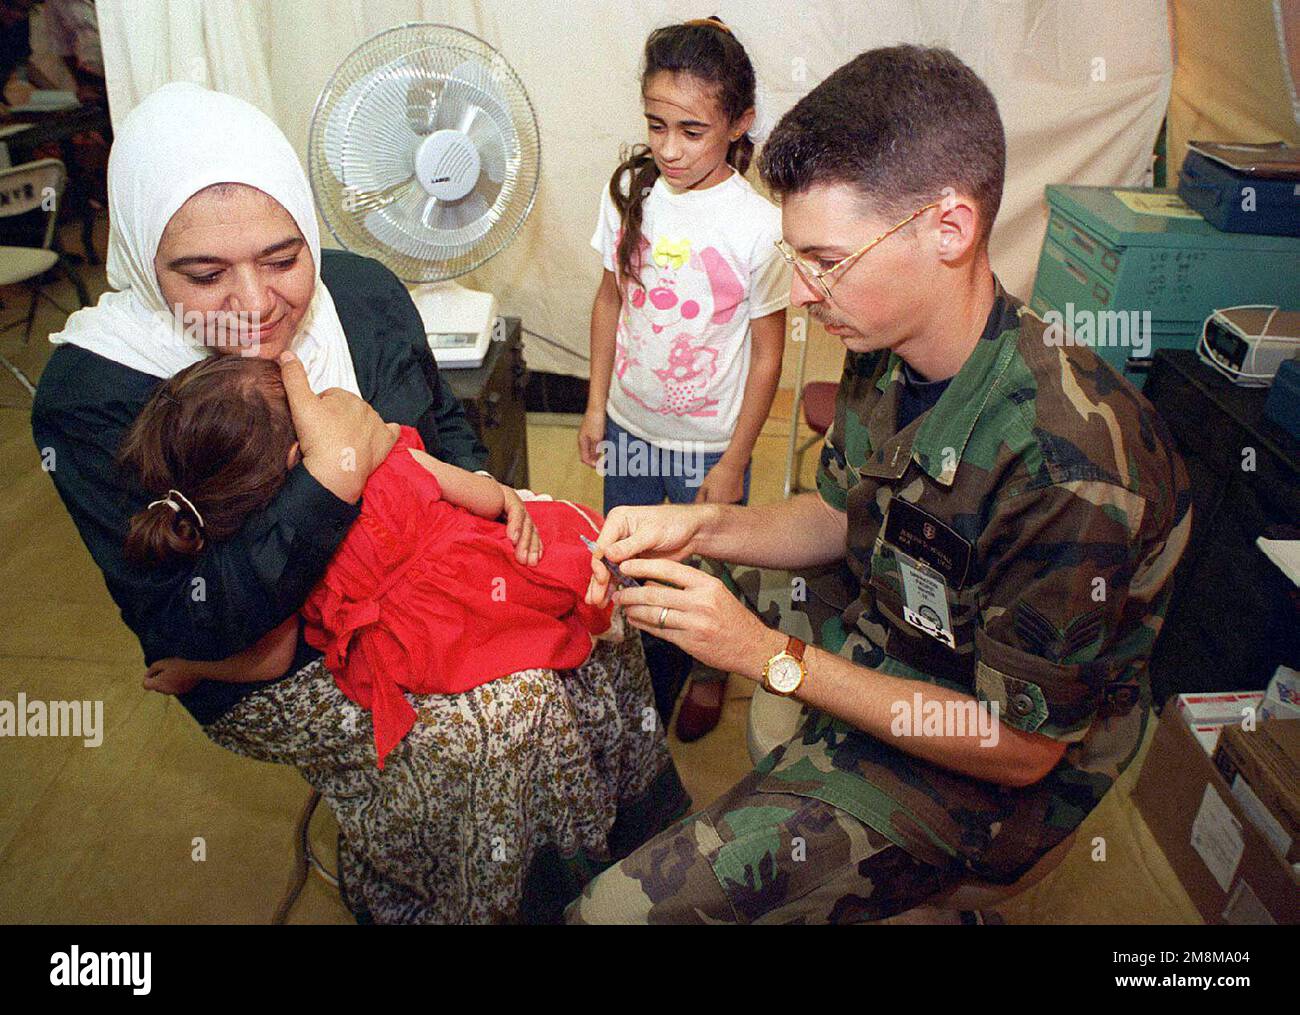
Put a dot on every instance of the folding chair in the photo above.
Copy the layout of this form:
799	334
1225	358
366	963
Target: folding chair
25	189
305	861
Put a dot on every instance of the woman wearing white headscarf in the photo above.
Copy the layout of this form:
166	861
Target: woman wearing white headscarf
212	223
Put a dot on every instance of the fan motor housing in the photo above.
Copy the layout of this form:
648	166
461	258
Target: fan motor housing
447	165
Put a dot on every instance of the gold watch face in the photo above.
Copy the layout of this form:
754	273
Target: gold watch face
784	674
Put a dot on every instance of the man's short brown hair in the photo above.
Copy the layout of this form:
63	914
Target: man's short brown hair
899	125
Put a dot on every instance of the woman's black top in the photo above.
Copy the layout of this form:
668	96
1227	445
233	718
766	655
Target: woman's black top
236	591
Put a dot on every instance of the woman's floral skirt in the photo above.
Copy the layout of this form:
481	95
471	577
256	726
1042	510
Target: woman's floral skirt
499	805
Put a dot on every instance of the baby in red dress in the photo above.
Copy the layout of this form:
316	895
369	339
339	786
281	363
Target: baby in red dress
425	594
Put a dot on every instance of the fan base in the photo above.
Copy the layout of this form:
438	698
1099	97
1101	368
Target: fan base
458	322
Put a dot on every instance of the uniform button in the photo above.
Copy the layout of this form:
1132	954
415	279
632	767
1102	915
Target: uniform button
1022	704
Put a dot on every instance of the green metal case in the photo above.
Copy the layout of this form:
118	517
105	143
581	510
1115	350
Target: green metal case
1101	255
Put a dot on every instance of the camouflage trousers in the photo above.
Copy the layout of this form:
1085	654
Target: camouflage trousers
760	854
835	824
762	857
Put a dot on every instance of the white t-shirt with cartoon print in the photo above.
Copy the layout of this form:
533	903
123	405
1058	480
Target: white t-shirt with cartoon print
709	266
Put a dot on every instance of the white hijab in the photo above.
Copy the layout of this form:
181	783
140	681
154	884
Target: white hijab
180	139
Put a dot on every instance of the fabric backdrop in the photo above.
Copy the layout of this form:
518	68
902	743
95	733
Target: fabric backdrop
1082	86
1235	74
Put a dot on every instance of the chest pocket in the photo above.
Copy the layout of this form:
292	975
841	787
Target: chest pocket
925	598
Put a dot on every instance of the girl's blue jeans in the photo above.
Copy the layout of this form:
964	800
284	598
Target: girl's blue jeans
638	473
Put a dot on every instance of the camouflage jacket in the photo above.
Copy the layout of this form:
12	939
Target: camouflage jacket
1014	542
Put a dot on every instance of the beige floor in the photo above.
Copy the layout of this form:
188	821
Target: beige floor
159	825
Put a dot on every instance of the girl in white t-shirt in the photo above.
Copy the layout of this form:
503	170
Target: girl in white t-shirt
688	324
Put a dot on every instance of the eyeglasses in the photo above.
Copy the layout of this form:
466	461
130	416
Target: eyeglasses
810	273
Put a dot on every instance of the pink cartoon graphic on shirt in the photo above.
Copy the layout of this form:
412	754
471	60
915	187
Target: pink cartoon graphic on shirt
664	360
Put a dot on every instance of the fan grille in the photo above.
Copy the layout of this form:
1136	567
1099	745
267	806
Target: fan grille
393	92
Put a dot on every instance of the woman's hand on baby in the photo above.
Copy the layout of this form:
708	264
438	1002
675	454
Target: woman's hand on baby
171	676
520	529
342	438
666	531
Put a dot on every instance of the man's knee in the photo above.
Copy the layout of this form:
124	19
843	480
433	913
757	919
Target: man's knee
668	880
612	898
750	857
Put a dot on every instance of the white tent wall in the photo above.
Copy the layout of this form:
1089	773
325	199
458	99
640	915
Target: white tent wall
222	44
1082	86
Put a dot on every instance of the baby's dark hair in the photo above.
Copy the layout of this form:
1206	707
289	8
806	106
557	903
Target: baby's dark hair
706	50
219	432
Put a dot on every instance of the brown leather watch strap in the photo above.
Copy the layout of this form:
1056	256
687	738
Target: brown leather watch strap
795	647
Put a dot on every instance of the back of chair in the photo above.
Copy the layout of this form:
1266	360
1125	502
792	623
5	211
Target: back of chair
31	186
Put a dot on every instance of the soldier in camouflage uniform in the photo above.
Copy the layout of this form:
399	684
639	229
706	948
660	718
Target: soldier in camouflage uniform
1010	534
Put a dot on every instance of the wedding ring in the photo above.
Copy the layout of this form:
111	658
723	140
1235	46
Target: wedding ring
663	615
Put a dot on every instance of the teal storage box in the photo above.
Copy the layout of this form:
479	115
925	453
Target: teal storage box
1130	281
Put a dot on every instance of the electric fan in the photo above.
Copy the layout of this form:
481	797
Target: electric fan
423	153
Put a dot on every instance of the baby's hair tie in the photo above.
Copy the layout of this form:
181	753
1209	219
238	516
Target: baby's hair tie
710	23
170	500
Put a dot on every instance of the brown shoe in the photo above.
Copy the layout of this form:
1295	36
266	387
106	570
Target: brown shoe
701	709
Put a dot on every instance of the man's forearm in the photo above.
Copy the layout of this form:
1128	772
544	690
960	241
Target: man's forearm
762	536
879	703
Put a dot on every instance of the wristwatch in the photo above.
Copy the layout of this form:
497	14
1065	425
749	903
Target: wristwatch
784	672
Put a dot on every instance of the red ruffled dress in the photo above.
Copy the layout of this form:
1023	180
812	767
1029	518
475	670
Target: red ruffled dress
424	596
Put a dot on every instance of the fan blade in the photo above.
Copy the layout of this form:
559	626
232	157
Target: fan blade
411	225
468	87
423	93
377	144
478	76
469	210
487	191
485	135
336	128
392	229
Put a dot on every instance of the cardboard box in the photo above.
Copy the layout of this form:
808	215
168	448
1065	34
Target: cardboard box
1263	767
1207	712
1232	873
1275	707
1282	699
1218	706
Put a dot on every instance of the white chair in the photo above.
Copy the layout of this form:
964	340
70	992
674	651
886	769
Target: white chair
31	187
